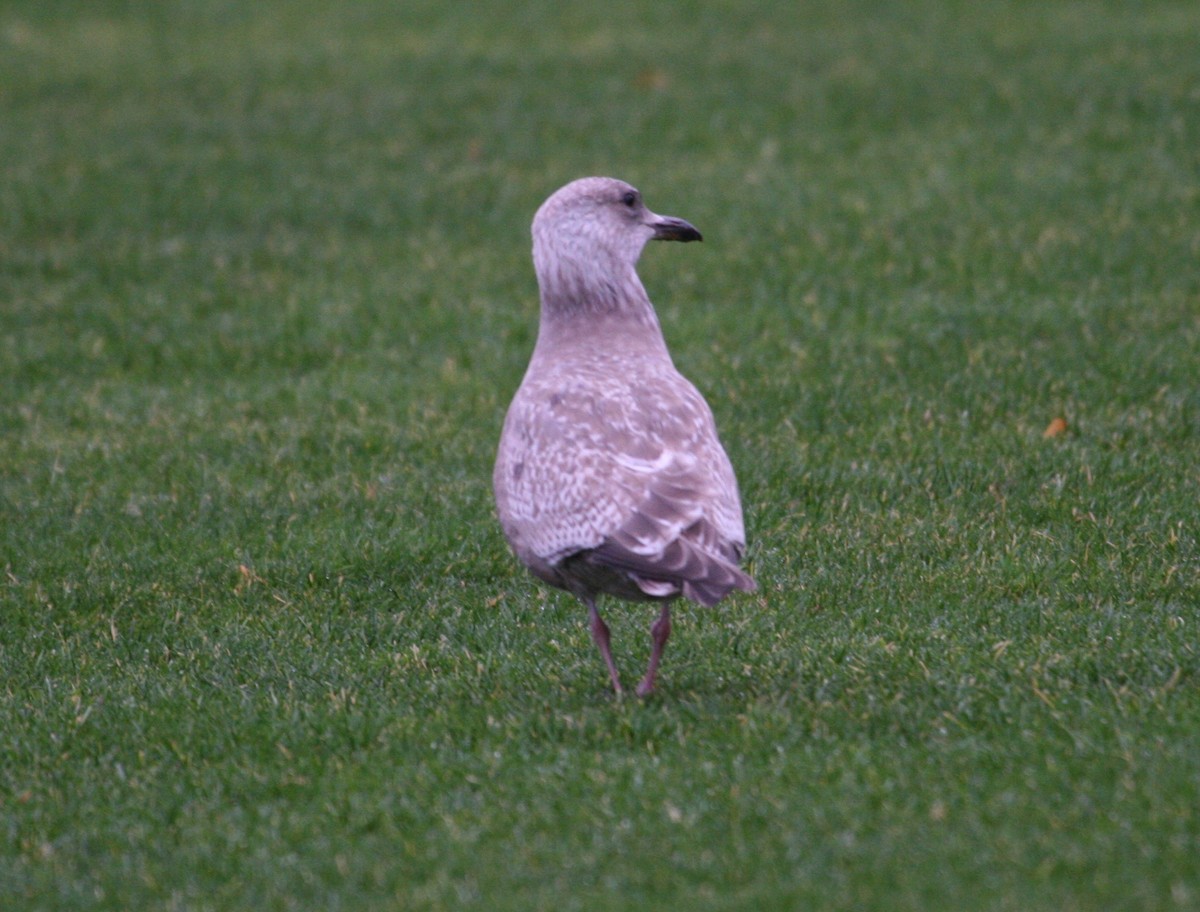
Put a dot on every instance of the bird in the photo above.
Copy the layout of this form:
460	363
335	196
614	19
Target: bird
609	477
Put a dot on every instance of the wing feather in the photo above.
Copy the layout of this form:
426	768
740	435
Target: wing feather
622	473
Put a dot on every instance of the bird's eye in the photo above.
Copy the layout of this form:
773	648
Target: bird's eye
629	198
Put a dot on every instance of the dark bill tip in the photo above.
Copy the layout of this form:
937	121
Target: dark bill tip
667	228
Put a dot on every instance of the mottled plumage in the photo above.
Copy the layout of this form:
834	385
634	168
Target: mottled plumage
610	477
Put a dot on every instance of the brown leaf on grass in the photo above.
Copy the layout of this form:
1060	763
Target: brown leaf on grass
651	79
1055	428
246	579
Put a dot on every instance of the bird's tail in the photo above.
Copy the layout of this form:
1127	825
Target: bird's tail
721	579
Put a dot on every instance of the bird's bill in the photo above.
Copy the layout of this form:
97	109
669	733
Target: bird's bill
668	228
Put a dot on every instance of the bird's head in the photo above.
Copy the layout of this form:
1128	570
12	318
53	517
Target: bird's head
589	234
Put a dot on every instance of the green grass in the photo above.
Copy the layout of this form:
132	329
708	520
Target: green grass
265	292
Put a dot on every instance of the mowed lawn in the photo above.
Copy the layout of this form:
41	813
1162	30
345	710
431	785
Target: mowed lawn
265	292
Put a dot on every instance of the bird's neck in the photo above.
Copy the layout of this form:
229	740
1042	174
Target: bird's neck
580	293
607	317
591	284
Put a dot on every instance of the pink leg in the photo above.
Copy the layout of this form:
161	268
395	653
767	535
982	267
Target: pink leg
600	635
659	633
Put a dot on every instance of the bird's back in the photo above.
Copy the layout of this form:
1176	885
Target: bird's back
610	477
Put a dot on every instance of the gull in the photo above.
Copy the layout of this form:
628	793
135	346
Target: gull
609	477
